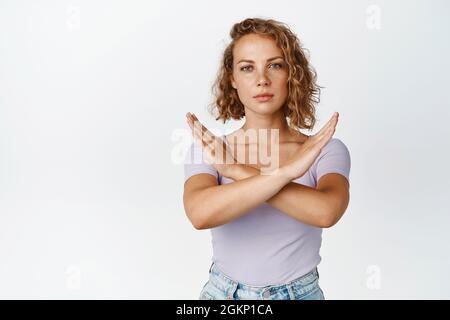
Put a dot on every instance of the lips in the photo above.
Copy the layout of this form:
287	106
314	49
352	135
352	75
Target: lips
267	95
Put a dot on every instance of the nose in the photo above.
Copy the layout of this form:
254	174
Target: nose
263	80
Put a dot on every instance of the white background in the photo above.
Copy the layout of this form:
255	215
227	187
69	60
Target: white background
93	96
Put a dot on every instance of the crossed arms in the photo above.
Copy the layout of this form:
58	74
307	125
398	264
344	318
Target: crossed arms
209	205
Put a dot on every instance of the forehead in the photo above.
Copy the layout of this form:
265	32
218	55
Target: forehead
256	47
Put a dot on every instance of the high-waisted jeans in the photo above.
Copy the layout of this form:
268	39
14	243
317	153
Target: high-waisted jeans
222	287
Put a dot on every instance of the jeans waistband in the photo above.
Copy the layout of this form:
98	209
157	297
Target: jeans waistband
218	275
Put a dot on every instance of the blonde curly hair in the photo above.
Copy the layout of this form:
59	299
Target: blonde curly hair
303	92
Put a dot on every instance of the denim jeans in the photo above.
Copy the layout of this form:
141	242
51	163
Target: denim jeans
222	287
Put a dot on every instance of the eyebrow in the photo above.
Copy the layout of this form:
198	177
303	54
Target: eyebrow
245	60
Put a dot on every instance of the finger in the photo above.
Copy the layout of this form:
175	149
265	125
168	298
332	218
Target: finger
327	137
327	125
198	134
323	129
213	149
210	154
215	145
198	127
205	130
323	139
329	132
190	123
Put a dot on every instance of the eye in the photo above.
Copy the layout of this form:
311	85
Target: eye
277	64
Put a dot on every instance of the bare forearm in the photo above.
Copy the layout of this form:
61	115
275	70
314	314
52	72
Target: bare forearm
223	203
303	203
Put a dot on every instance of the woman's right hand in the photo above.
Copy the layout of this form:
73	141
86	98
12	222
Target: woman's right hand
299	163
215	151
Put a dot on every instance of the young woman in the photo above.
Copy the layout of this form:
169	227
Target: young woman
266	224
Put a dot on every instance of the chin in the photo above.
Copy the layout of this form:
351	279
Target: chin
265	108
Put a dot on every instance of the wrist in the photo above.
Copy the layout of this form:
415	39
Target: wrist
236	171
230	171
239	171
282	172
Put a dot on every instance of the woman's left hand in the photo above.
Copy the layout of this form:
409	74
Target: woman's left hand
215	150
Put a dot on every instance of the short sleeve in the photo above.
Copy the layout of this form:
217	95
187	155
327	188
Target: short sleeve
194	163
334	158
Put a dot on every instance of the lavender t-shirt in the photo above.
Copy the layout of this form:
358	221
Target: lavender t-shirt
266	246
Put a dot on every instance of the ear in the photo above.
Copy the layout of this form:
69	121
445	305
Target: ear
233	83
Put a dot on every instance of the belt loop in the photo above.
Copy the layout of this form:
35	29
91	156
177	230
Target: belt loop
211	267
291	292
230	295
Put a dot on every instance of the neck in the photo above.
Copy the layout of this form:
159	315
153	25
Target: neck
268	123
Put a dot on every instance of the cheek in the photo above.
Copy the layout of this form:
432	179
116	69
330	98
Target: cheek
244	87
281	77
281	84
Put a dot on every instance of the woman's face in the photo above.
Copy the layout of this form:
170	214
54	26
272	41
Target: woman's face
259	67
